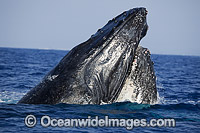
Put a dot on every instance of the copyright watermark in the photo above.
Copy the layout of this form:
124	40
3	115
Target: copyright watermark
30	121
47	121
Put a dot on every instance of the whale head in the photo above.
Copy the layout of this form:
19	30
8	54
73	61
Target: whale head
96	70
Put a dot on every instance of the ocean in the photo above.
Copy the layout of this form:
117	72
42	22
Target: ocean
178	84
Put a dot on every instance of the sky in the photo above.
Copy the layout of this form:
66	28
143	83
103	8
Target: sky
174	25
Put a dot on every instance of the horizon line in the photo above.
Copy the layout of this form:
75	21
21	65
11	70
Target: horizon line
60	49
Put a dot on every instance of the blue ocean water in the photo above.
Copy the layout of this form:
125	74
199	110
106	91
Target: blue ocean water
178	83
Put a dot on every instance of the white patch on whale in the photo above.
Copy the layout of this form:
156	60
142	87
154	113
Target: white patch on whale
127	92
52	77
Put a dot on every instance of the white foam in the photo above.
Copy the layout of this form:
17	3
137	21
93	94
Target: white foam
2	101
160	100
11	97
126	93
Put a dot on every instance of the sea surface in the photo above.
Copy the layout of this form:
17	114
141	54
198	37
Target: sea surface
178	84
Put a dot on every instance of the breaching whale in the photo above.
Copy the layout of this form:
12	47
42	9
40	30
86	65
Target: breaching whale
109	67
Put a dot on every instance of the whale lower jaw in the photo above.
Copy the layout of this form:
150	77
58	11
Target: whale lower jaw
140	85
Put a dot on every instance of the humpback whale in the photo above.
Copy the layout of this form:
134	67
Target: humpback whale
109	67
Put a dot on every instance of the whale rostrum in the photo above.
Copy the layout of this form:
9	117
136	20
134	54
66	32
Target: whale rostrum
109	67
